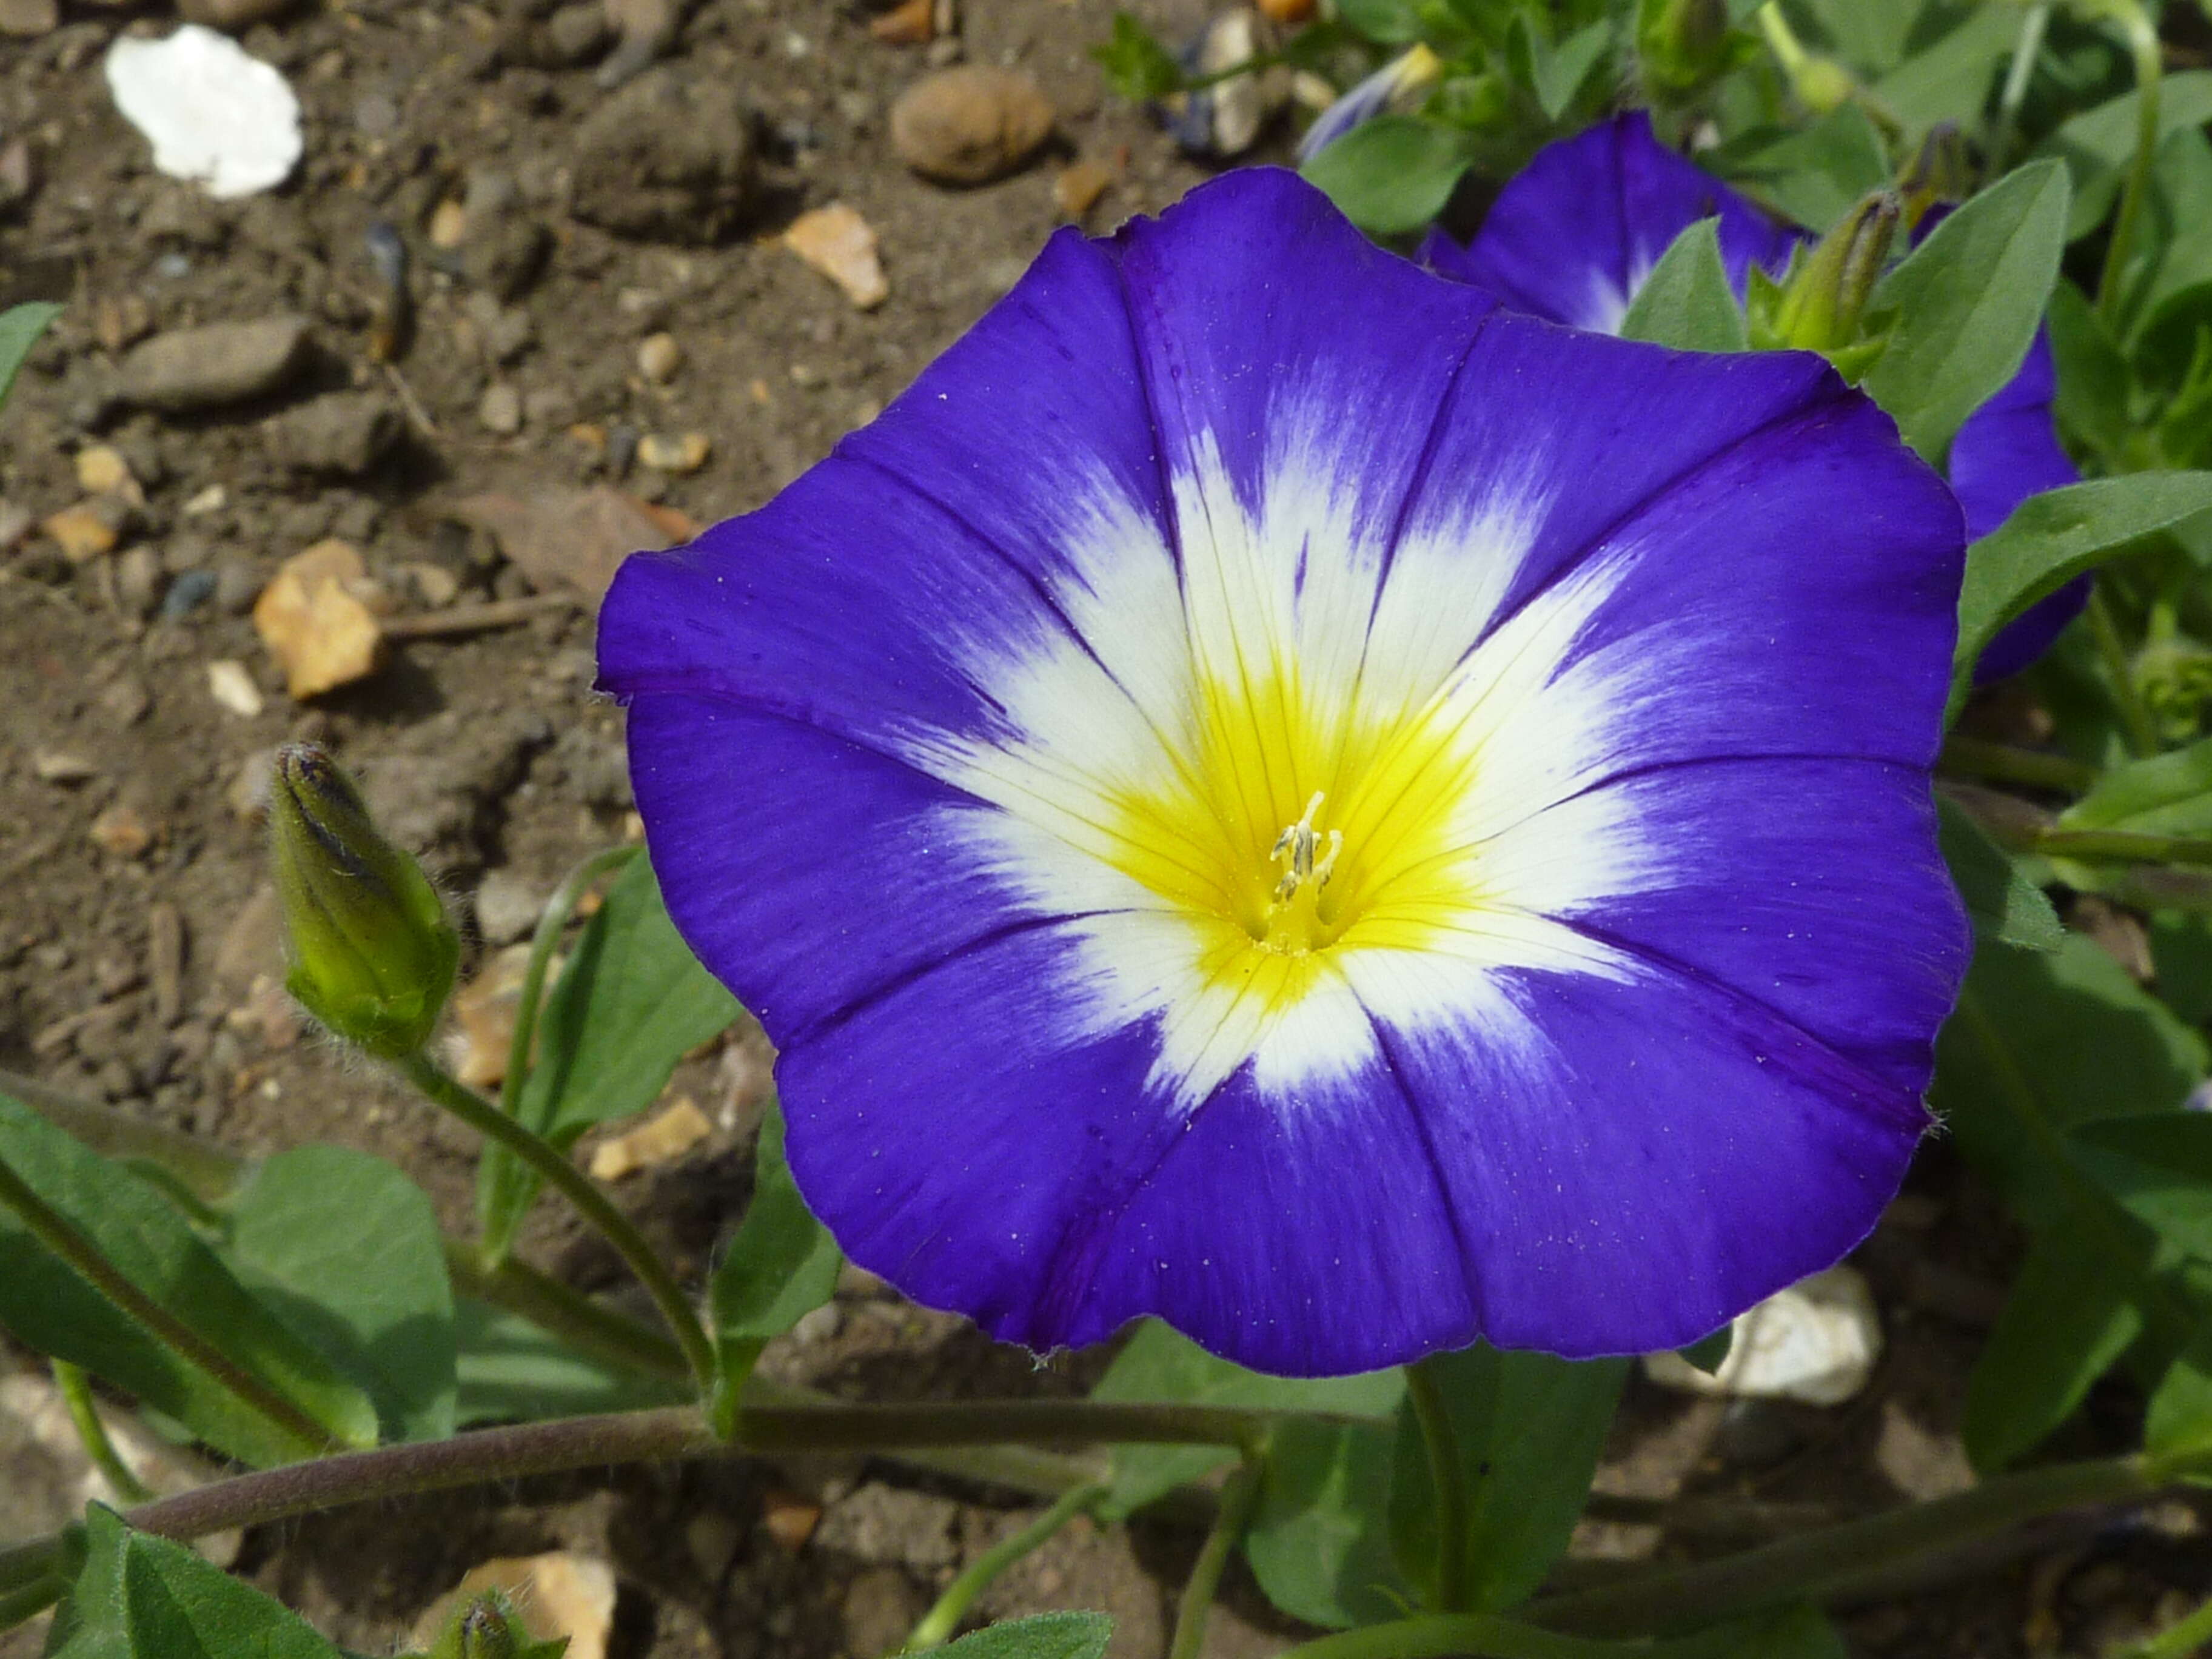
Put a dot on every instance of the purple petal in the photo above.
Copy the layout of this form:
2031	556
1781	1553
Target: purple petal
1574	233
1005	763
2007	451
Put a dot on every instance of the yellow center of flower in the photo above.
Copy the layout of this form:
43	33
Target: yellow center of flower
1293	826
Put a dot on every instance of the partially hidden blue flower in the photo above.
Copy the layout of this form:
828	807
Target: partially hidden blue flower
1572	236
1267	791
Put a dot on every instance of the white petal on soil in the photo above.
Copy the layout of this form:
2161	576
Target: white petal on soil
1816	1341
214	113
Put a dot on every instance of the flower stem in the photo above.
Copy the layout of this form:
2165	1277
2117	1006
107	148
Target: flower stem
1439	1636
2128	845
495	1233
1238	1499
2025	50
2178	1640
2000	763
2143	46
62	1237
2135	715
77	1394
488	1121
938	1624
1448	1478
1819	1566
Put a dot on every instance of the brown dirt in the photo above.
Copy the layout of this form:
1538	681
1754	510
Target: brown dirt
491	752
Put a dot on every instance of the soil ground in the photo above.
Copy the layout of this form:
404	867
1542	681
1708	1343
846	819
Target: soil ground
126	810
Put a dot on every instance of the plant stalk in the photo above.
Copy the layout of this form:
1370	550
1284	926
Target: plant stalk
2127	845
2135	715
551	922
1448	1476
84	1413
2000	763
61	1235
1442	1636
1238	1498
494	1124
1819	1566
2143	46
938	1624
2026	49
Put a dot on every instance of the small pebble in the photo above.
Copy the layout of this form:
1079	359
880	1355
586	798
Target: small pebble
126	701
507	908
139	579
223	363
687	453
122	830
840	244
60	766
501	411
658	357
187	594
315	622
1077	188
101	471
449	223
82	532
230	684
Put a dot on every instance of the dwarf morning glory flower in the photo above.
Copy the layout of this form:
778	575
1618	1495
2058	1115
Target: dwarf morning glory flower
1572	236
1411	71
1267	790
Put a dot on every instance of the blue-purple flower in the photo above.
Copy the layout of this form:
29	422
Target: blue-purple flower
1572	236
1267	791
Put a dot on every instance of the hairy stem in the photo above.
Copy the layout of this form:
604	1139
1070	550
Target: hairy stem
1238	1499
84	1413
2143	46
1447	1477
1440	1635
938	1624
1819	1566
665	1434
60	1235
2119	668
551	921
2000	763
494	1124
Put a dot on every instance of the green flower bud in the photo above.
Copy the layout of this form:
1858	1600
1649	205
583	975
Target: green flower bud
1681	43
487	1626
1826	293
372	954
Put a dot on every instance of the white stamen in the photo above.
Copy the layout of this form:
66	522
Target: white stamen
1295	849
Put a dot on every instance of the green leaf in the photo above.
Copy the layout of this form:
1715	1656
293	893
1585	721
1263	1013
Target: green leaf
1686	302
632	1001
2181	955
1870	35
1387	22
511	1370
2174	254
1816	175
1159	1365
2098	144
1530	1428
1137	66
1708	1353
2071	1314
2041	1044
1047	1636
51	1309
1319	1542
1555	75
2094	378
782	1266
1392	174
2179	1421
300	1229
20	328
139	1596
2053	538
2005	905
2168	794
2159	1166
1967	302
1953	79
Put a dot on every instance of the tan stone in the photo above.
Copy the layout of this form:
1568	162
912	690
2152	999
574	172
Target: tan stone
840	245
314	623
970	124
664	1136
1077	188
685	453
82	532
101	471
